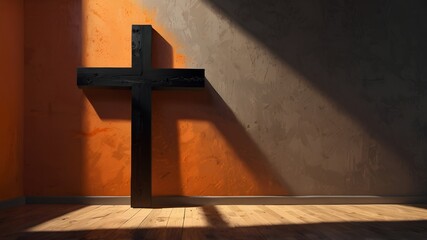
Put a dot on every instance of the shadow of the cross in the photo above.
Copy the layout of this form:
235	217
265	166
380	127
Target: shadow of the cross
218	157
199	147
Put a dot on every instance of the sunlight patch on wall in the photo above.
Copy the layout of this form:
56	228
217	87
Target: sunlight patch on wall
105	133
211	166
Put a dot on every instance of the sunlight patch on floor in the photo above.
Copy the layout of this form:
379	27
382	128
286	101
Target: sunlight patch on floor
99	217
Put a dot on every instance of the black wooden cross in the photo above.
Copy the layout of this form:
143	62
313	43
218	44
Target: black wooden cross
141	78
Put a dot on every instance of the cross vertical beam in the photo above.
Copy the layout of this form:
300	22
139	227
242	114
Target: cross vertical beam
141	79
141	159
141	177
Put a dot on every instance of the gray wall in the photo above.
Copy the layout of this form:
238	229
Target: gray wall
332	92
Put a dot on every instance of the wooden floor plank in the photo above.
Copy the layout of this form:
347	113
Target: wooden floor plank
112	220
193	223
81	224
308	218
128	230
175	224
136	219
65	220
154	225
355	219
236	226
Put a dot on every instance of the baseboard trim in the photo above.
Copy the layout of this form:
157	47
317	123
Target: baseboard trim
12	202
285	200
84	200
231	200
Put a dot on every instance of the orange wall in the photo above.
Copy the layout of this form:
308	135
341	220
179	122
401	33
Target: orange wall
53	105
11	98
78	142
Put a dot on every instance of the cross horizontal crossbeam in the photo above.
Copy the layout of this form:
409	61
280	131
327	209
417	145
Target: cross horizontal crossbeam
122	78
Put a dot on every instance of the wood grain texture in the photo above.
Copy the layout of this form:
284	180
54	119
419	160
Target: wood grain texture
215	222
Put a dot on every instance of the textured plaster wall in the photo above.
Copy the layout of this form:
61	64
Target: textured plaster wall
304	97
11	98
332	92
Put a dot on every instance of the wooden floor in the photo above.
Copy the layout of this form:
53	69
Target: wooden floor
215	222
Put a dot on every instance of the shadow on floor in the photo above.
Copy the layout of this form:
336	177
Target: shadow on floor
17	219
334	230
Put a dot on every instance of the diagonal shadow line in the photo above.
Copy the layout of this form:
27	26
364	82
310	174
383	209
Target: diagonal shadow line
214	217
338	47
207	105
